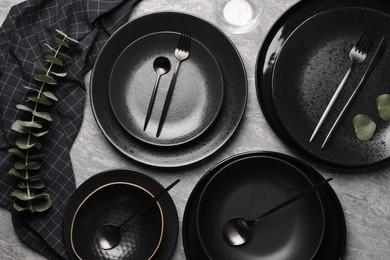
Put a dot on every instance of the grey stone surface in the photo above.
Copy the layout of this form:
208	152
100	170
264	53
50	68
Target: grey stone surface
364	197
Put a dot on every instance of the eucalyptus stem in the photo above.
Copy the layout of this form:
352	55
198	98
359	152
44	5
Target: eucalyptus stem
29	194
32	120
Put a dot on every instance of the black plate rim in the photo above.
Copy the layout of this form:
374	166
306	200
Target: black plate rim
200	184
107	185
165	203
236	160
281	133
200	157
220	86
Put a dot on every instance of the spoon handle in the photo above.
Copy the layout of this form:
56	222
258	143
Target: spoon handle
149	204
293	199
151	102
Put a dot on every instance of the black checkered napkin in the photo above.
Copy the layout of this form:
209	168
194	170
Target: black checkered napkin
27	27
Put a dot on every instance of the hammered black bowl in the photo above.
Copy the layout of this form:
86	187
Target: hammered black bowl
113	203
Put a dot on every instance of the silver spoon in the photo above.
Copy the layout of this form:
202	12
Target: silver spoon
108	235
161	66
238	230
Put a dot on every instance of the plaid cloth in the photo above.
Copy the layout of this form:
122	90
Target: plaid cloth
27	27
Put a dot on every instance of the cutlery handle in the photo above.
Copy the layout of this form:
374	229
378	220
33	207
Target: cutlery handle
294	198
150	203
365	76
168	99
331	102
151	102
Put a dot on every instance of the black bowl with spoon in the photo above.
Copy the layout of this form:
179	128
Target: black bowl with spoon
249	187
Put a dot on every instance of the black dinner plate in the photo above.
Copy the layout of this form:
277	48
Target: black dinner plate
300	64
196	99
110	197
231	111
334	237
263	182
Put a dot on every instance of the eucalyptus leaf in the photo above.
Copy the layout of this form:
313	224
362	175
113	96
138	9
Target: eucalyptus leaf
59	74
22	175
39	134
32	89
45	79
61	42
50	95
30	124
25	196
66	56
66	36
35	184
36	156
39	204
43	115
18	127
364	127
25	144
17	152
28	166
50	48
37	176
17	174
40	100
383	103
39	66
24	108
54	60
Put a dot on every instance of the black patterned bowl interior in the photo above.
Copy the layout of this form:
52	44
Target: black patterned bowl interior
113	203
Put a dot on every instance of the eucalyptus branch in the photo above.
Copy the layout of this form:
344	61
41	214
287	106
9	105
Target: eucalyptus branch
29	195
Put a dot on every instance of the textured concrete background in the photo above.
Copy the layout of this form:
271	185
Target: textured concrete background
364	197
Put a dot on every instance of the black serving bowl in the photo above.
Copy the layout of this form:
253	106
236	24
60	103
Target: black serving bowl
114	203
249	187
111	197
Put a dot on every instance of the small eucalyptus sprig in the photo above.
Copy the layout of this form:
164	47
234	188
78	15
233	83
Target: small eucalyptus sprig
30	195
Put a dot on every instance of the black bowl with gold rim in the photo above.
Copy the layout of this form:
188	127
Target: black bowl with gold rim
111	197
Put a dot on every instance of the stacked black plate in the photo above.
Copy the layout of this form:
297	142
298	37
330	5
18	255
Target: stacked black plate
302	61
111	197
249	184
208	100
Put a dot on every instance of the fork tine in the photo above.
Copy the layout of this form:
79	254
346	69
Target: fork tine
366	46
187	42
181	42
365	41
362	38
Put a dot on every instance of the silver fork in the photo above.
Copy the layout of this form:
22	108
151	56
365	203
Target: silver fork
357	55
182	52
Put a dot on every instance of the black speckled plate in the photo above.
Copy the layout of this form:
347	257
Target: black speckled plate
196	100
110	197
303	59
234	96
334	237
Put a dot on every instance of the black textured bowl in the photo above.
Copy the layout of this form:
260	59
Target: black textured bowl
249	187
113	203
109	197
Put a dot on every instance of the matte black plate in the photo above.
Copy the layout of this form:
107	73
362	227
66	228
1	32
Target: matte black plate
110	197
334	238
197	97
264	182
234	81
307	52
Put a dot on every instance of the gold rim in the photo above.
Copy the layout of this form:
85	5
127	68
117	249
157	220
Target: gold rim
106	185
